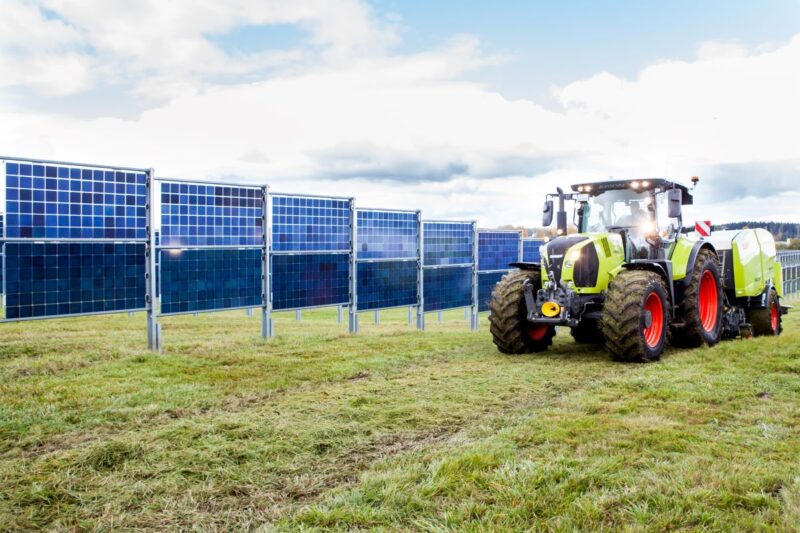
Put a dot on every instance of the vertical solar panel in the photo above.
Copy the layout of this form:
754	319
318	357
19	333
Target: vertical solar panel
310	280
530	250
486	283
305	224
210	279
195	214
61	201
52	279
497	249
386	284
386	234
447	288
2	268
447	243
387	254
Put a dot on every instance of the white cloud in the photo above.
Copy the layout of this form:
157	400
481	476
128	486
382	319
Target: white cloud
353	118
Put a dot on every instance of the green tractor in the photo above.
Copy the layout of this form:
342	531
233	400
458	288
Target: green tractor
633	278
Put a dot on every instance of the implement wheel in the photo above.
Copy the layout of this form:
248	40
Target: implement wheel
511	331
766	321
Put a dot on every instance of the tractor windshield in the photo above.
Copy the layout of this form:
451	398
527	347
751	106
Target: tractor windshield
617	209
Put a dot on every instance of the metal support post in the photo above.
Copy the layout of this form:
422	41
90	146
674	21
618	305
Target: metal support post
298	315
410	314
475	308
420	273
267	328
352	308
439	317
377	317
339	313
153	329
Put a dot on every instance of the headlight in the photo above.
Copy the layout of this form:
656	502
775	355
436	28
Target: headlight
574	255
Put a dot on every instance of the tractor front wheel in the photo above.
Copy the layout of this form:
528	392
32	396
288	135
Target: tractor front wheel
636	316
511	331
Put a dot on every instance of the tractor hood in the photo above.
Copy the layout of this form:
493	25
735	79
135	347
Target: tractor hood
582	261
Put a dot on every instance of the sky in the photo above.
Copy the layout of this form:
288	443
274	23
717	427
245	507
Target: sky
466	110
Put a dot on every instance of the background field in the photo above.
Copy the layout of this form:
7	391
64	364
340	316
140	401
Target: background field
390	429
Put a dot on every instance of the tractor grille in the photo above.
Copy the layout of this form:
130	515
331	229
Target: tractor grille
558	247
587	267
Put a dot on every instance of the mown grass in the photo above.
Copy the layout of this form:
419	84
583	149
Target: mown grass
392	429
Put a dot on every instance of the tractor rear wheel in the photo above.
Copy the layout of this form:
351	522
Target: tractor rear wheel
636	316
588	332
766	321
511	331
701	310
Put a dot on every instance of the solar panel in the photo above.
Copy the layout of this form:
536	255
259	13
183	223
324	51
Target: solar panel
386	284
1	254
310	280
496	249
210	279
386	234
447	243
59	201
530	250
486	283
447	288
50	279
194	214
305	224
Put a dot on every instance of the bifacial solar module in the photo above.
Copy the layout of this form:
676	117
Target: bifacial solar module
209	279
48	201
530	250
50	279
486	283
310	280
301	224
496	249
1	253
447	243
386	235
386	284
447	288
210	215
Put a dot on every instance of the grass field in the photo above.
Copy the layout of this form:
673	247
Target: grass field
391	429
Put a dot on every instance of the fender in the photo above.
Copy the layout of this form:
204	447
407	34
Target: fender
661	267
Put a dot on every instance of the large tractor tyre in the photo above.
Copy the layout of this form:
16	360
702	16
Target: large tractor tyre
701	310
511	331
636	316
588	331
766	321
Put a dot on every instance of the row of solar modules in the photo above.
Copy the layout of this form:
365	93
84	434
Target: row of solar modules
76	240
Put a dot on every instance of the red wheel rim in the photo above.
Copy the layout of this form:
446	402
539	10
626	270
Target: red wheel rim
773	317
652	334
537	332
708	301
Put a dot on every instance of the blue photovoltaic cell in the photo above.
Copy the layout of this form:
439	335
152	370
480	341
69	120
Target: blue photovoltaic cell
386	235
530	250
496	249
446	288
486	283
310	224
51	279
386	284
1	253
208	279
70	202
210	215
310	280
447	243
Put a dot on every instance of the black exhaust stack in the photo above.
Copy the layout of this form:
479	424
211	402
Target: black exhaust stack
561	215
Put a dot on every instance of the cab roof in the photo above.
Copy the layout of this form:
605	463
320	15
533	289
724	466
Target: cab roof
645	184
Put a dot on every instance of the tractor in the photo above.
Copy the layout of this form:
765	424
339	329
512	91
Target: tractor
634	279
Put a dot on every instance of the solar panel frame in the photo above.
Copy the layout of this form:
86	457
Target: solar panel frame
455	247
340	208
497	249
258	208
384	225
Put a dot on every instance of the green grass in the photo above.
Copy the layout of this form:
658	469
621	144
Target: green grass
391	429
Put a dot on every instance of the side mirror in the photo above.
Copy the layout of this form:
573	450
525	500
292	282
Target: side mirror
547	213
674	201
